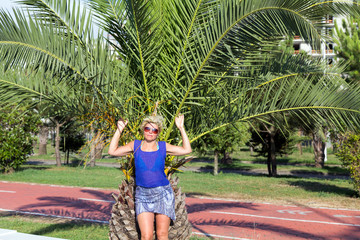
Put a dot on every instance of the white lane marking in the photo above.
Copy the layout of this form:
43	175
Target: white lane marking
60	186
346	216
294	212
96	200
273	204
218	236
342	216
7	191
56	216
288	219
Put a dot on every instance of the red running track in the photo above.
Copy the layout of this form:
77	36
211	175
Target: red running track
219	219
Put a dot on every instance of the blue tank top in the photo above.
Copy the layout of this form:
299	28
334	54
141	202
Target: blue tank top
149	166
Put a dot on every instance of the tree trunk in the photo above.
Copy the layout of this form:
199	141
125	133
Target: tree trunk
272	168
299	148
299	145
251	150
53	135
216	162
123	223
319	150
67	156
43	135
227	159
97	146
57	143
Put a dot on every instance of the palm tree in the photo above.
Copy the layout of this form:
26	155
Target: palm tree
202	58
79	63
59	103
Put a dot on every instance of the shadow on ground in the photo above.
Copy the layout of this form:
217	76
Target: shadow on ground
66	226
215	206
322	188
242	225
73	207
250	229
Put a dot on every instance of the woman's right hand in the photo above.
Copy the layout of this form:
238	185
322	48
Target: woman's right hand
121	124
114	148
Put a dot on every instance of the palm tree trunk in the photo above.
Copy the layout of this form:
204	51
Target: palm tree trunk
319	150
216	162
97	146
43	135
272	165
57	143
300	132
123	225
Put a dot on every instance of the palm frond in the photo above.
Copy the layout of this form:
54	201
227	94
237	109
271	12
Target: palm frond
27	43
68	16
315	96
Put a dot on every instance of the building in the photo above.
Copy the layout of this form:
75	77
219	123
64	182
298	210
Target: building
326	50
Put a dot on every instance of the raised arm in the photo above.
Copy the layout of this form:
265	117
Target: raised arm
186	147
114	148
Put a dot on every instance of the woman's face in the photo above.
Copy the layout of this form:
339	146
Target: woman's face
151	131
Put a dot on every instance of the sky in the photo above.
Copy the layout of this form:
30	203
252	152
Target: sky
7	4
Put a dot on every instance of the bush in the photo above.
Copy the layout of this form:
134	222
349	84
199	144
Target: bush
17	127
349	153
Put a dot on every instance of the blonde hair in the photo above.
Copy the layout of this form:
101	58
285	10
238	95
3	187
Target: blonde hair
158	120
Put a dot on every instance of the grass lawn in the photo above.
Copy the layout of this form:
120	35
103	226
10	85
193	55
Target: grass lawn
100	177
54	227
58	228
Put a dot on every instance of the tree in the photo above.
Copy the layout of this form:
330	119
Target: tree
202	58
72	139
17	129
223	141
43	137
269	141
58	102
349	154
68	66
347	39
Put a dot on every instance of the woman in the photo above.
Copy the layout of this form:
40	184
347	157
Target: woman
154	197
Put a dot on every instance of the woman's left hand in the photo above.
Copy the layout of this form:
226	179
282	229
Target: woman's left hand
186	146
179	121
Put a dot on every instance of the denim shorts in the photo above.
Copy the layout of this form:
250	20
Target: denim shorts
156	200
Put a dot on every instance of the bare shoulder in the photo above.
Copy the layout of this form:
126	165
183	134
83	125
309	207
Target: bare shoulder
172	149
130	144
168	145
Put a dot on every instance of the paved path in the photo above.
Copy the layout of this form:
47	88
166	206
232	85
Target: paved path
219	219
6	234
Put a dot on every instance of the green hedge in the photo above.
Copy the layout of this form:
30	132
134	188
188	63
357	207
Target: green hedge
349	154
17	129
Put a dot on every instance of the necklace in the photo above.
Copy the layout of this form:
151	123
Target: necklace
157	145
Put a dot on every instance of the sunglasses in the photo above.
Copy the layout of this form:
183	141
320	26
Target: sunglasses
153	130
